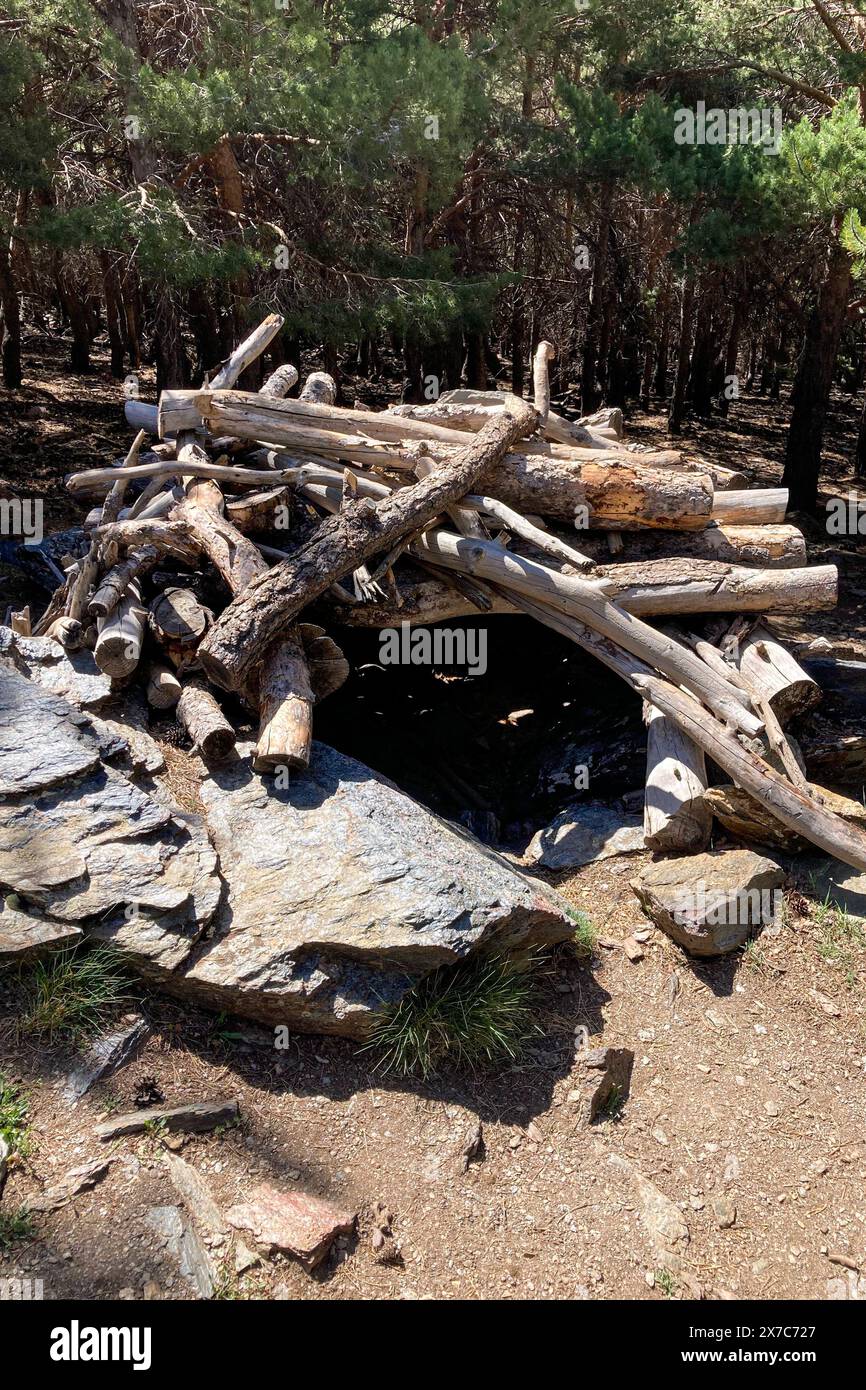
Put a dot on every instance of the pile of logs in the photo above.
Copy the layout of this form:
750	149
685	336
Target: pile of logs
478	503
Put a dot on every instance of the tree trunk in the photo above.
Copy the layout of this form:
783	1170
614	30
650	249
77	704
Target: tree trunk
810	396
684	350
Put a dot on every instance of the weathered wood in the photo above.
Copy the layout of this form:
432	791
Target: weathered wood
602	491
341	543
543	355
769	668
168	537
141	416
177	619
19	621
754	507
286	701
257	510
285	718
320	388
114	501
280	382
114	584
704	586
163	687
120	636
80	584
69	632
542	540
204	721
246	352
676	818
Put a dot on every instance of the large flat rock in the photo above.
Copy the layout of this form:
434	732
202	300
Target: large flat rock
342	893
584	833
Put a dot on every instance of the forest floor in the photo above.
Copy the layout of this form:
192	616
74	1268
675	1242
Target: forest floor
745	1109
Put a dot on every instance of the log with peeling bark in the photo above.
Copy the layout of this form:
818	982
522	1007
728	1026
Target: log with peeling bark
543	355
120	636
280	382
677	819
771	669
204	721
114	584
257	511
341	543
757	507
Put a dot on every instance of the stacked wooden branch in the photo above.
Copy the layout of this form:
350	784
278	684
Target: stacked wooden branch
477	503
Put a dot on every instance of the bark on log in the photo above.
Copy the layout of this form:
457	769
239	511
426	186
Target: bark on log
703	586
676	818
114	584
285	708
280	382
120	635
204	721
342	543
771	670
163	687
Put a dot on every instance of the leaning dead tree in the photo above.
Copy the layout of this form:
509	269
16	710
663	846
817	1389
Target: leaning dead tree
480	503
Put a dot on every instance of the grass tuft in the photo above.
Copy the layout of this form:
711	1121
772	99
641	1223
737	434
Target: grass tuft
470	1015
13	1118
71	993
585	935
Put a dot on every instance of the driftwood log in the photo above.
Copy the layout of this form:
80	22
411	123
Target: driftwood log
236	643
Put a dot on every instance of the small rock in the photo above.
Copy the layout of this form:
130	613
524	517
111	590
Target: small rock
632	948
77	1180
294	1223
105	1056
710	903
725	1212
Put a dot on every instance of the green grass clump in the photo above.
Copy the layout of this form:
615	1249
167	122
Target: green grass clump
71	993
470	1015
13	1118
585	935
15	1227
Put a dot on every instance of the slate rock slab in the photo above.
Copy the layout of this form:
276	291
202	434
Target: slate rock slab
23	938
44	741
710	903
583	834
342	893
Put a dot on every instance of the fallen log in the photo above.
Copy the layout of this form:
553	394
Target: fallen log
120	635
704	586
204	721
770	669
362	529
754	507
114	584
676	819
